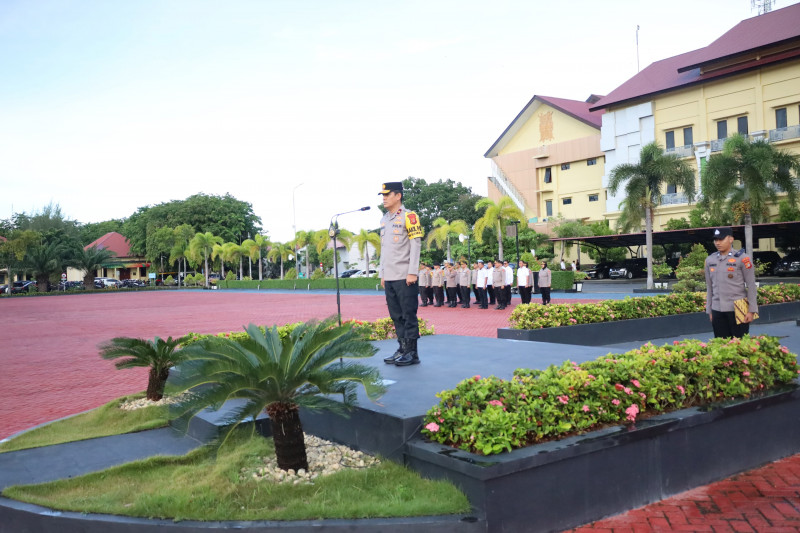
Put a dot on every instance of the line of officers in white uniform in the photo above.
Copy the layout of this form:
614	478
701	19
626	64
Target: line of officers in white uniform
491	284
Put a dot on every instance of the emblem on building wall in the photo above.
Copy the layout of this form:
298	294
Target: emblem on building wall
546	126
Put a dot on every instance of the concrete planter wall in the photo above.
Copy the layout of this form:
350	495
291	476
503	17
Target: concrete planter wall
640	328
562	484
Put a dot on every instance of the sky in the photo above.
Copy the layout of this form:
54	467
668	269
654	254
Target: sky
302	108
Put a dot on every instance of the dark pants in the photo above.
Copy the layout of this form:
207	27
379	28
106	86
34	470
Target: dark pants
525	294
451	296
724	324
507	295
500	296
429	294
482	301
459	293
465	295
401	299
477	296
490	290
438	294
545	294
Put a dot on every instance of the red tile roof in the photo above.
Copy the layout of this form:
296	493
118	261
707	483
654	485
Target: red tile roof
684	70
113	241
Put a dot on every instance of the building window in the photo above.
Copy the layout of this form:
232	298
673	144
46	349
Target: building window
688	138
670	140
780	118
566	201
592	161
672	189
548	175
722	129
564	166
741	125
548	207
594	197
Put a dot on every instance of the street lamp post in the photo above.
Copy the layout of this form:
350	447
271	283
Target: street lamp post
516	234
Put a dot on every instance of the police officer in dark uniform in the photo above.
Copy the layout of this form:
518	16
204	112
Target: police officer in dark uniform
730	276
401	238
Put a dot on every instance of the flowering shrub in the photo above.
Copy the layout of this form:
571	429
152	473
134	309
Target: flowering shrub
491	415
536	316
381	329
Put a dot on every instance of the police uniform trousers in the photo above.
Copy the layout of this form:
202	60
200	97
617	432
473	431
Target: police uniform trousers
507	298
401	299
545	295
429	294
490	290
465	295
525	294
423	295
724	325
451	296
482	297
438	293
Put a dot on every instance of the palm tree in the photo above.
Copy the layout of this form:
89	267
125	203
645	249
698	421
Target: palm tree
279	376
201	247
363	240
644	183
234	252
442	232
218	251
250	249
45	260
495	216
749	175
89	260
183	234
158	354
279	251
304	239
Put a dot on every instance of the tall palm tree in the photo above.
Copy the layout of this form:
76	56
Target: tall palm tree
201	247
442	232
218	252
158	354
251	250
495	216
749	175
183	234
644	182
234	252
363	240
279	376
304	239
279	252
46	260
89	260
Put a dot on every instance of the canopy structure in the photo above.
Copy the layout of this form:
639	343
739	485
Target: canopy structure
769	230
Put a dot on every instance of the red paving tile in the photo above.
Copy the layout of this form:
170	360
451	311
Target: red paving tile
49	368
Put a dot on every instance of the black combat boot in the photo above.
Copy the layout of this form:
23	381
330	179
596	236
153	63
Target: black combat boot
410	357
392	359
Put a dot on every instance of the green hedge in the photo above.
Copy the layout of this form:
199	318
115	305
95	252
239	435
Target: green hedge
562	279
492	415
303	284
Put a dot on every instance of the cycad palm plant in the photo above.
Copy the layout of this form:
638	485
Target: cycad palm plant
89	260
158	354
280	375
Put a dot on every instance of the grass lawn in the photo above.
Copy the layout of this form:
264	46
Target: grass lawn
101	422
214	484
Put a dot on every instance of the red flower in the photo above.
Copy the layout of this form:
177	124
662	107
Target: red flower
618	386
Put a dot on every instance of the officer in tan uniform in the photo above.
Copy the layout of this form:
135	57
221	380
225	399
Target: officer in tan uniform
473	277
423	280
464	278
437	279
401	238
451	280
499	284
730	276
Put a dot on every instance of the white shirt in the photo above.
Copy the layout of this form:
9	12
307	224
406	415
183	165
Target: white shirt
489	270
482	273
509	274
523	277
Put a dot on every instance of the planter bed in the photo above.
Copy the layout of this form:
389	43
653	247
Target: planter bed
562	484
638	329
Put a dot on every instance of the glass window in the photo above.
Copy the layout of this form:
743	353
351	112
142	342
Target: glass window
780	118
688	137
590	162
594	197
564	166
548	175
741	125
670	140
672	189
722	129
566	201
548	207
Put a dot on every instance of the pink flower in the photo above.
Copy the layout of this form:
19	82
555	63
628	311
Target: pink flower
745	373
636	383
496	402
703	345
675	343
632	411
643	395
433	427
628	391
563	399
680	388
616	402
745	361
784	349
585	408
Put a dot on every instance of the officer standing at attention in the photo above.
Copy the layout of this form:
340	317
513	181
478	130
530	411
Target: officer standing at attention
451	280
437	278
464	278
423	280
545	280
401	242
429	283
480	288
490	281
729	277
498	282
473	277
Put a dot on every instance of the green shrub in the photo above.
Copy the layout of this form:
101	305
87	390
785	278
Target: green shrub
230	276
318	274
690	272
199	279
562	279
290	274
169	281
492	415
189	280
536	316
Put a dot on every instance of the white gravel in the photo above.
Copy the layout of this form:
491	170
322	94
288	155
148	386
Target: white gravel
324	458
141	403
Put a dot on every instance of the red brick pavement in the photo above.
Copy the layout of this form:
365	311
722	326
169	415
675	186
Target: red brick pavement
49	368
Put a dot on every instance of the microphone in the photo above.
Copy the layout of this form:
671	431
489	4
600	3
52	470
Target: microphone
365	208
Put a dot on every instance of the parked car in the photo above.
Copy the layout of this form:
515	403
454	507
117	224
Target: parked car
789	265
349	272
105	283
132	283
629	268
23	286
363	273
770	258
600	270
67	286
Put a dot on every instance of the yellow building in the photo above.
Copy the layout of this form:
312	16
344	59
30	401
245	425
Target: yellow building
548	160
747	81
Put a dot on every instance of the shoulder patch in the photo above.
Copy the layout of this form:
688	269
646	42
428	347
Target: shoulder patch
413	226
